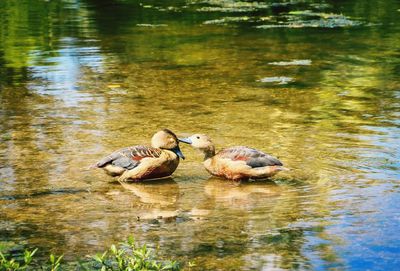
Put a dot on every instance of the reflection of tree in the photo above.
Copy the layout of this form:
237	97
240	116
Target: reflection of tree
25	32
32	31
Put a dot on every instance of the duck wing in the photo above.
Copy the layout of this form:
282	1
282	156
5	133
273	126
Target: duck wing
129	157
253	158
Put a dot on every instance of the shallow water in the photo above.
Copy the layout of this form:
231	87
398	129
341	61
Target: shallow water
314	83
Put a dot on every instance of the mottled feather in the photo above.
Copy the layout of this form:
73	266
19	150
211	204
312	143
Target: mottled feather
253	158
129	157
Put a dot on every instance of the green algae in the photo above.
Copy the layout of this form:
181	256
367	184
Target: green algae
301	62
280	80
152	25
231	6
309	19
227	20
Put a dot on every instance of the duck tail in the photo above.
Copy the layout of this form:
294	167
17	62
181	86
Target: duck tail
95	165
282	168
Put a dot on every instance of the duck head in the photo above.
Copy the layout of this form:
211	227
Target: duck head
200	142
166	139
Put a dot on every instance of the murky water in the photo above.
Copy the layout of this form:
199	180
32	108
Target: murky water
315	83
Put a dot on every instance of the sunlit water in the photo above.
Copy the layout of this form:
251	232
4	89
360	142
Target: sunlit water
315	83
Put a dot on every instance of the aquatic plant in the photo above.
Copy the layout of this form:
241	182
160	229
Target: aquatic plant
26	263
281	80
230	6
128	256
131	256
301	62
307	18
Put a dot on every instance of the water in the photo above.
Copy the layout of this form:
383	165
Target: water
314	83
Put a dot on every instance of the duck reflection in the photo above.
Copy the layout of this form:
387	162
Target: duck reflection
240	194
159	198
163	192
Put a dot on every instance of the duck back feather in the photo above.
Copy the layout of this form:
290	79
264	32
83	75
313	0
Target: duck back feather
253	158
129	158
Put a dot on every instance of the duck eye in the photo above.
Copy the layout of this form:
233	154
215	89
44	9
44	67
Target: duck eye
197	137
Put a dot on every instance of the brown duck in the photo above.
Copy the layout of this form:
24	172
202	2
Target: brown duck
139	163
235	163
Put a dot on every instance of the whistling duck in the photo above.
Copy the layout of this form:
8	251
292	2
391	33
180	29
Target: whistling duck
234	163
138	163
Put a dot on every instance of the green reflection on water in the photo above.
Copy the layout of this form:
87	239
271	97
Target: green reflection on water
80	79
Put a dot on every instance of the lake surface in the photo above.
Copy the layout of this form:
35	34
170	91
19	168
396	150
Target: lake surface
315	83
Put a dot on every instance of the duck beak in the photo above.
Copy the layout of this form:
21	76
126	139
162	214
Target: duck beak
186	140
178	152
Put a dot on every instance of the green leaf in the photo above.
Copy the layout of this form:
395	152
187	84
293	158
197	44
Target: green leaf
52	258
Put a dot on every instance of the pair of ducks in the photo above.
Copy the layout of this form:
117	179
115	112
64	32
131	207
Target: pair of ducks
138	163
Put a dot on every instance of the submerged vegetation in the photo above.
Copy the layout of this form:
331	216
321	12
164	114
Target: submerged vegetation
127	256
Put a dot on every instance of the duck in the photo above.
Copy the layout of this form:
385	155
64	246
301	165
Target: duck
235	163
139	163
